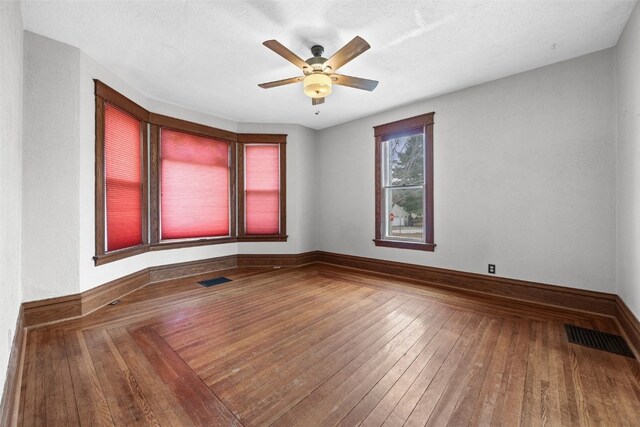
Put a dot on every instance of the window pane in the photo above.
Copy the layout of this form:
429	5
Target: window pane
122	157
404	213
262	189
194	186
404	160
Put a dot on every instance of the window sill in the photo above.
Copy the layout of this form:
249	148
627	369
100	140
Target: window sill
430	247
263	238
176	244
120	254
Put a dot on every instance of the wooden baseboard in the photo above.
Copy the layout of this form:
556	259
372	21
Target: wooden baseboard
57	309
52	309
191	268
102	295
277	260
629	324
531	292
13	381
67	307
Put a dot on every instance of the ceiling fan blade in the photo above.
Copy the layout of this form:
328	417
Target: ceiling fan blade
281	82
356	82
279	48
317	101
349	51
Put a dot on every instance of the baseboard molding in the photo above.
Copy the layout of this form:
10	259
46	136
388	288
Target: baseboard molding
61	308
629	324
51	310
102	295
531	292
191	268
277	260
13	381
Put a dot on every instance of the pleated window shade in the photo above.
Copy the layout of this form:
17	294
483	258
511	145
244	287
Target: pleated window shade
194	184
123	178
262	189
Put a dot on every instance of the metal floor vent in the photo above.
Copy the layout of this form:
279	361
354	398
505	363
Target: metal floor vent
215	281
598	340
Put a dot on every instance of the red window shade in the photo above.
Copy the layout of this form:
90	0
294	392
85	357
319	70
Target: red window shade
123	160
195	186
262	189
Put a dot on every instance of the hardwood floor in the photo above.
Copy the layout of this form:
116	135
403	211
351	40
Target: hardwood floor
321	345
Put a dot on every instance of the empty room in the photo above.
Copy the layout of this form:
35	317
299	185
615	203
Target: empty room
320	213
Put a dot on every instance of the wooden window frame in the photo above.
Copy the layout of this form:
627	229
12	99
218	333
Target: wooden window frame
383	133
104	94
158	122
262	139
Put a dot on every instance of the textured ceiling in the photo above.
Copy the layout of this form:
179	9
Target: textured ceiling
208	56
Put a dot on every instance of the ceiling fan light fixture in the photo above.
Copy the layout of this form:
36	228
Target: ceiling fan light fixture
317	85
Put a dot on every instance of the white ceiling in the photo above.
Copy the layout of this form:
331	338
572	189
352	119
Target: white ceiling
208	55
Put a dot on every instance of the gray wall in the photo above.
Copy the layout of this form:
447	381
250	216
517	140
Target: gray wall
628	164
524	177
10	174
50	168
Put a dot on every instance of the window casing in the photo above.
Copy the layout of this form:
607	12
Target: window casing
404	183
262	187
198	162
116	120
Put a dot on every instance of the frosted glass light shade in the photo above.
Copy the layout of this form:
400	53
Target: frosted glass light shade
317	85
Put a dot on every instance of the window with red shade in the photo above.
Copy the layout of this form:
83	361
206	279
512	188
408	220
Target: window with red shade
262	179
194	186
123	178
262	189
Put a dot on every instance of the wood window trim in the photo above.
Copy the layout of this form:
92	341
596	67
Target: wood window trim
191	127
382	133
104	94
198	130
249	139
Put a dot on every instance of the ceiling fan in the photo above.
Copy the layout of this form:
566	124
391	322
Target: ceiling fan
319	72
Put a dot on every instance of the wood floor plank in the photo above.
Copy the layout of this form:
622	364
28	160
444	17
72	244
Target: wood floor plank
342	395
200	403
434	333
458	399
321	345
432	355
92	404
485	406
433	378
287	393
272	355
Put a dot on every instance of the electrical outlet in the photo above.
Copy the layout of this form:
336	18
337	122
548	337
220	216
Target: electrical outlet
492	269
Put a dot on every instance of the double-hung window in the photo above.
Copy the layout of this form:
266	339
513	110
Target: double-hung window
261	182
404	183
